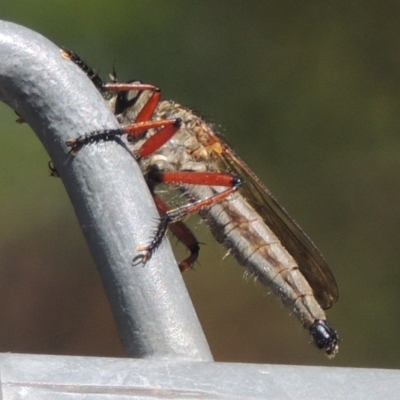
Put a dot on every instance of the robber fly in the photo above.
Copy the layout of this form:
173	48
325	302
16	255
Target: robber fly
175	146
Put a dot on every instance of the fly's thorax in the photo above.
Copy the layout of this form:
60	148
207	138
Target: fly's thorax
175	155
189	149
195	133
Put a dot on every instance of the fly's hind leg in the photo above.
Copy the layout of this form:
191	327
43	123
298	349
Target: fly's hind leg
173	216
183	234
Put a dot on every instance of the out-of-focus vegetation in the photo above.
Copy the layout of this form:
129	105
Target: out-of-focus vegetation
308	93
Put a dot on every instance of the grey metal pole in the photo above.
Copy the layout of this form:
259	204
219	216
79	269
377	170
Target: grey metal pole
152	309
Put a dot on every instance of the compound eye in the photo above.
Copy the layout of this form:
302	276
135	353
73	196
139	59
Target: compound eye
127	99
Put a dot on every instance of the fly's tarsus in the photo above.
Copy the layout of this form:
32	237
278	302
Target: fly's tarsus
105	135
156	241
140	259
149	250
91	74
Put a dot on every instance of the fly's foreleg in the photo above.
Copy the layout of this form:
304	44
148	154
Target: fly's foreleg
142	123
97	81
174	215
167	129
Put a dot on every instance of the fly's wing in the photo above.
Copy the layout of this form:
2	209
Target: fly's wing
309	260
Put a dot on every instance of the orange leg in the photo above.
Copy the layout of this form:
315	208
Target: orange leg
174	215
166	128
184	235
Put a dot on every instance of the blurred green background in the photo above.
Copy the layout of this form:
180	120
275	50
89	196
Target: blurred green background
308	93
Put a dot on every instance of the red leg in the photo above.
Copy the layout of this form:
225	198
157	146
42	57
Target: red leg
161	137
184	235
210	178
126	87
180	212
174	215
138	128
142	123
148	109
168	128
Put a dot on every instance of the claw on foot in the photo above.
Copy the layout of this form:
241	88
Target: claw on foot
75	146
142	258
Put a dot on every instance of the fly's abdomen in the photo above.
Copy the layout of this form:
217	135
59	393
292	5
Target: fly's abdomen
242	231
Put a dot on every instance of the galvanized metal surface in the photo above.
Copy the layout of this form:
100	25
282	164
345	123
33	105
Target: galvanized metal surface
57	378
152	309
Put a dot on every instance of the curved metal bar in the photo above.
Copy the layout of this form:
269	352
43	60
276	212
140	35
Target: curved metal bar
151	306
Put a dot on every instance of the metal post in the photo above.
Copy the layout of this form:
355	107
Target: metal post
152	309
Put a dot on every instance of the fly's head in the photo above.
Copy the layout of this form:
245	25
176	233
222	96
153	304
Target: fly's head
325	337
